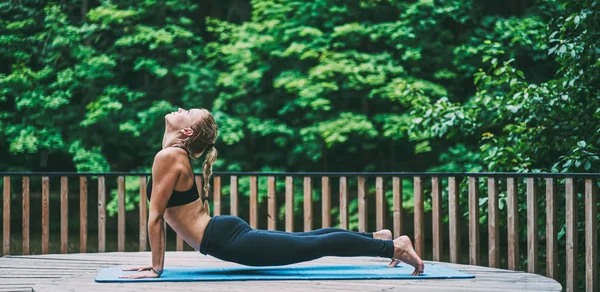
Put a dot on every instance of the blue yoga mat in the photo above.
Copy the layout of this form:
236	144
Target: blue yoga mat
333	272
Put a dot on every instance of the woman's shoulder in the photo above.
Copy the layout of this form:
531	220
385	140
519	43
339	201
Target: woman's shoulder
170	156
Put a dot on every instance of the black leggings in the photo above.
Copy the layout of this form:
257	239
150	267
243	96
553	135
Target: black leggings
230	238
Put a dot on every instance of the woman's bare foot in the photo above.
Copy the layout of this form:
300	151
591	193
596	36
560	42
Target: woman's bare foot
404	251
384	234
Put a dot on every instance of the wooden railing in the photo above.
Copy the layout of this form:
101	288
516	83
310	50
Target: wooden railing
433	182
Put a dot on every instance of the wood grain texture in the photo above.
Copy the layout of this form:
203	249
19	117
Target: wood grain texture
551	230
143	215
532	228
233	187
362	205
83	214
591	236
6	217
272	204
289	204
473	221
121	213
25	215
253	202
436	217
380	213
397	196
419	216
64	214
325	202
343	203
454	218
493	225
76	272
101	214
45	214
571	235
512	223
308	210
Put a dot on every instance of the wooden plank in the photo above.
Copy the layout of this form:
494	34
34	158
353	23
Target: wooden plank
101	214
362	205
493	225
143	214
551	230
308	212
397	193
325	202
121	213
289	204
217	195
64	214
45	214
272	204
532	229
453	219
419	216
83	224
6	217
379	204
233	188
473	222
253	202
343	203
591	236
25	220
436	217
512	223
571	234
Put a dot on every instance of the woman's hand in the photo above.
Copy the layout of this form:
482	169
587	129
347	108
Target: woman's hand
139	269
141	275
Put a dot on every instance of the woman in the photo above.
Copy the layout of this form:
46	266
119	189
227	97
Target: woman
174	197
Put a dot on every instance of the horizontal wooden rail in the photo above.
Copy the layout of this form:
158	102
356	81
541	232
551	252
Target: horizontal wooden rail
354	189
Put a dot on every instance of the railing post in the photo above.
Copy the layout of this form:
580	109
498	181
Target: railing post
397	193
493	228
513	223
101	214
453	205
591	236
25	229
473	222
308	213
83	198
379	204
272	204
6	217
362	205
217	195
289	204
571	235
419	216
551	232
436	214
143	214
343	203
64	214
326	202
233	187
121	215
532	228
253	202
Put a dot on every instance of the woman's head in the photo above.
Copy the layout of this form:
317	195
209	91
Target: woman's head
197	131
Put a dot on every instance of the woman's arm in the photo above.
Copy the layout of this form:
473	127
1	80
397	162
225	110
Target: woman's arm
165	172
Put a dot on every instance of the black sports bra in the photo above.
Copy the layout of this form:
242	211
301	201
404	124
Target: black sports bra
178	198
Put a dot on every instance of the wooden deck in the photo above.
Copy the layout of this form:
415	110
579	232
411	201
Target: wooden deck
76	272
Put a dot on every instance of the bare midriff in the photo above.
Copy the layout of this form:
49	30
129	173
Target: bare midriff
189	221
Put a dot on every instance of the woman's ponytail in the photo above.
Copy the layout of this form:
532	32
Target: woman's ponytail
211	157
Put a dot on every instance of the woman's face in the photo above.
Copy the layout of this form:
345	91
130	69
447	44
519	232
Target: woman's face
182	118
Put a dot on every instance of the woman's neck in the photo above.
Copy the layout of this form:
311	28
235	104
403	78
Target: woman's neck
169	140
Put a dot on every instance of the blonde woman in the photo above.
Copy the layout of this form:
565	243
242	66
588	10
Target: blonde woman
174	198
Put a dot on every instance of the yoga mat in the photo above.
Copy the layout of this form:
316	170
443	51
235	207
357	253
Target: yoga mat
332	272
